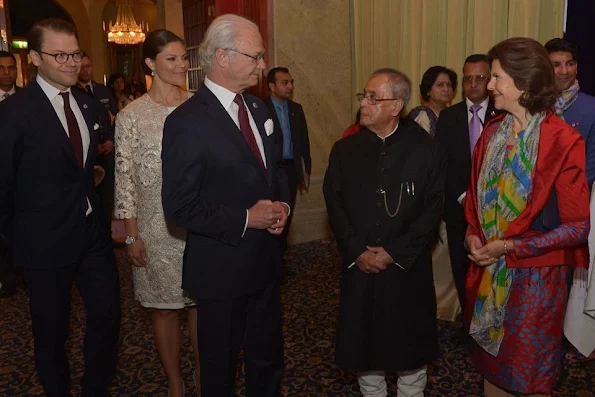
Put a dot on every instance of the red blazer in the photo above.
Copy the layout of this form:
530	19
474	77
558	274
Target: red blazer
560	165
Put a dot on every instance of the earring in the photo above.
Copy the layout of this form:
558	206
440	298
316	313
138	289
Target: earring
152	73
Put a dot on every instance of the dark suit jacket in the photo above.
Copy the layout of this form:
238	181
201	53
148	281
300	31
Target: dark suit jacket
299	136
452	132
42	189
210	178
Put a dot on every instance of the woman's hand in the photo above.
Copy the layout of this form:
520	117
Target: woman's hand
137	253
477	254
489	253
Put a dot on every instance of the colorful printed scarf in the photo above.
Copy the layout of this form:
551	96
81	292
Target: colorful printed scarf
504	186
566	99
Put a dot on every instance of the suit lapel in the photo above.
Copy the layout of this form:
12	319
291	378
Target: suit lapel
227	126
50	121
267	143
82	99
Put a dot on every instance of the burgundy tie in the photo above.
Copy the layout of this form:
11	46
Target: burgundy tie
247	130
73	129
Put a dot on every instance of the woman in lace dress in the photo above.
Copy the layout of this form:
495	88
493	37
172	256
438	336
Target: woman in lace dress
155	247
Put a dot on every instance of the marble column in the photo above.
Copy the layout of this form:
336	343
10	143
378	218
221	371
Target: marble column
313	39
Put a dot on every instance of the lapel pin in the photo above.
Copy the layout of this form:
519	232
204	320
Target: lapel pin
492	113
85	106
254	105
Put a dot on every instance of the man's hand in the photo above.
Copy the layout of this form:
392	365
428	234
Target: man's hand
383	258
279	226
264	214
100	149
367	263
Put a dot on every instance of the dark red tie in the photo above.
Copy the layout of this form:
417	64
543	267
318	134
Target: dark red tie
247	130
73	129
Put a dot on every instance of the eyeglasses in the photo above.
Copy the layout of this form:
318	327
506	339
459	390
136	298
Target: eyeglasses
257	58
63	58
371	99
469	79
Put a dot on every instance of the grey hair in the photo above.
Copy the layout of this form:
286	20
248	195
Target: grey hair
400	84
222	33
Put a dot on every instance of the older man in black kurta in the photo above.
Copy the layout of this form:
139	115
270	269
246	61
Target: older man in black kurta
384	190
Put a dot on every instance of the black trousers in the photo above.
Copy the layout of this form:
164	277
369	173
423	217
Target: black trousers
253	321
7	270
458	257
50	292
289	169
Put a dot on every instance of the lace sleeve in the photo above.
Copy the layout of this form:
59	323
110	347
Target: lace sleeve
125	206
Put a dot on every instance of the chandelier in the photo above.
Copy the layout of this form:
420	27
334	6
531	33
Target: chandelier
125	30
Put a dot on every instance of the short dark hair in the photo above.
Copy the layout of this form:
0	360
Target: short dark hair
430	76
6	54
476	58
84	55
528	63
57	25
560	45
155	42
271	75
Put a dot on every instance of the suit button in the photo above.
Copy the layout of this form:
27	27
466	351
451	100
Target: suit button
377	223
378	204
381	169
383	153
377	241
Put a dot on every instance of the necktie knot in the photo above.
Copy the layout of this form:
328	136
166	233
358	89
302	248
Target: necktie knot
66	97
475	109
239	100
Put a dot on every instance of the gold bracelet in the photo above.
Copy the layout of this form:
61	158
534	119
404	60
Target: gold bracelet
505	248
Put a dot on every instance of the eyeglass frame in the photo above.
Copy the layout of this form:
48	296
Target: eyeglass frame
68	56
360	96
480	79
255	58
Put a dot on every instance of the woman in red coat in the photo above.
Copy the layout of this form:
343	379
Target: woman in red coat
528	211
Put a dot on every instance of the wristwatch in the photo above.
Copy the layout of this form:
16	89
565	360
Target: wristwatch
130	240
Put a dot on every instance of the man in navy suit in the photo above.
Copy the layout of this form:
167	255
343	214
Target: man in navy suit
105	149
221	183
48	210
458	129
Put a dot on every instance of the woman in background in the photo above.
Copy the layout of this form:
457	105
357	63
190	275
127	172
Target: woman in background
528	211
437	90
155	246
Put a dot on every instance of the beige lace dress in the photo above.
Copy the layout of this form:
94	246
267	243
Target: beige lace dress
139	130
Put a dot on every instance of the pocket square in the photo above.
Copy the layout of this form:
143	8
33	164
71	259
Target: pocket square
95	126
268	127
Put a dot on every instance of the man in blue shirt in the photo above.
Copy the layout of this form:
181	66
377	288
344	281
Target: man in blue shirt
291	135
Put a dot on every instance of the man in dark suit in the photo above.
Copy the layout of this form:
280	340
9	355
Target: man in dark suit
291	136
221	183
458	129
8	87
105	149
48	210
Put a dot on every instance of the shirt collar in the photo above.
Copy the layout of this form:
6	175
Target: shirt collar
393	131
484	104
277	104
49	90
224	95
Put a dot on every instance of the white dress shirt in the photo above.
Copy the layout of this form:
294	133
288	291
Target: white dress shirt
12	91
57	102
482	116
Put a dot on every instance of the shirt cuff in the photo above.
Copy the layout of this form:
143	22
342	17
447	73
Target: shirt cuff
288	208
462	197
246	224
